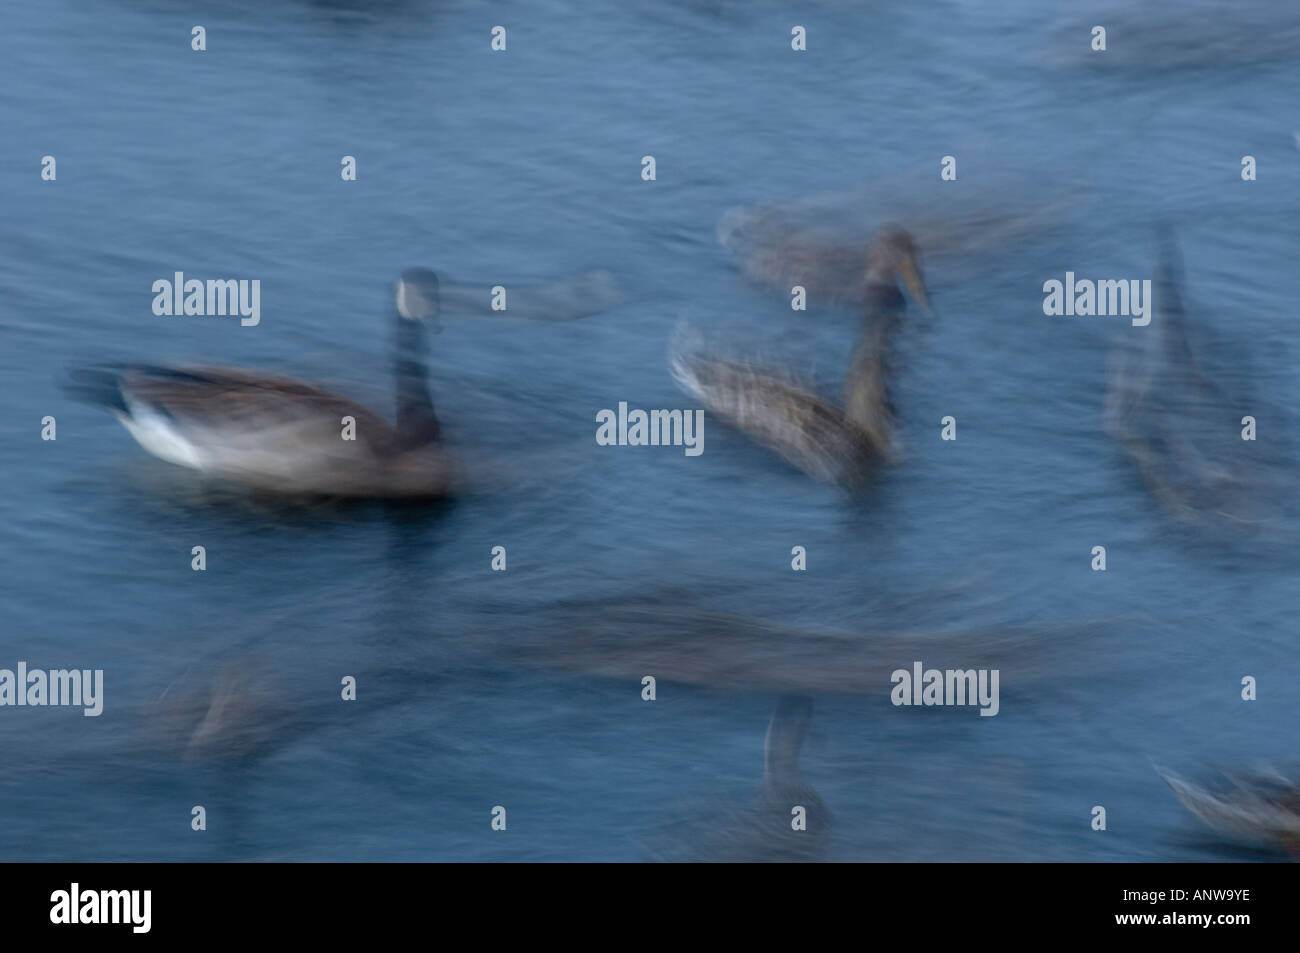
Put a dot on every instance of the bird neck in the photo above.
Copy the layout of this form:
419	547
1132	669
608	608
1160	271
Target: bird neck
785	736
882	296
881	266
867	403
417	424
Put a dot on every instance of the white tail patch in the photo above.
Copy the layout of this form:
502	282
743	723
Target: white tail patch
682	356
159	435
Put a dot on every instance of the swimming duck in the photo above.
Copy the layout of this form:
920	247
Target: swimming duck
839	445
1263	808
281	435
1181	423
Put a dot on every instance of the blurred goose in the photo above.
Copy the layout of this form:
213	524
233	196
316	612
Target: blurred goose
1177	410
1262	808
668	631
784	788
762	829
833	444
278	434
767	831
815	241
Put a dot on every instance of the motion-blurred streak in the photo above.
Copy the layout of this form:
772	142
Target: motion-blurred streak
1178	411
702	647
1259	808
232	715
819	242
840	446
1152	38
243	708
567	299
722	831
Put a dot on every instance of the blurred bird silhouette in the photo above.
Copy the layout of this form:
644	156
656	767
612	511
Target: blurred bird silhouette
1260	808
1178	412
281	435
839	445
786	822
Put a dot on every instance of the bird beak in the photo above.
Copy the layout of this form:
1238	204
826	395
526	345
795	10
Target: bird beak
911	273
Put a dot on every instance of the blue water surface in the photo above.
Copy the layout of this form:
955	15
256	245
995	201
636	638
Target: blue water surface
478	689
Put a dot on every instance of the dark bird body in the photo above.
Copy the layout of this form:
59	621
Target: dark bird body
280	435
840	444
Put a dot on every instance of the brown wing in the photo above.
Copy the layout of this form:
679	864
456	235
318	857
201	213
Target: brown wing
807	430
227	400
